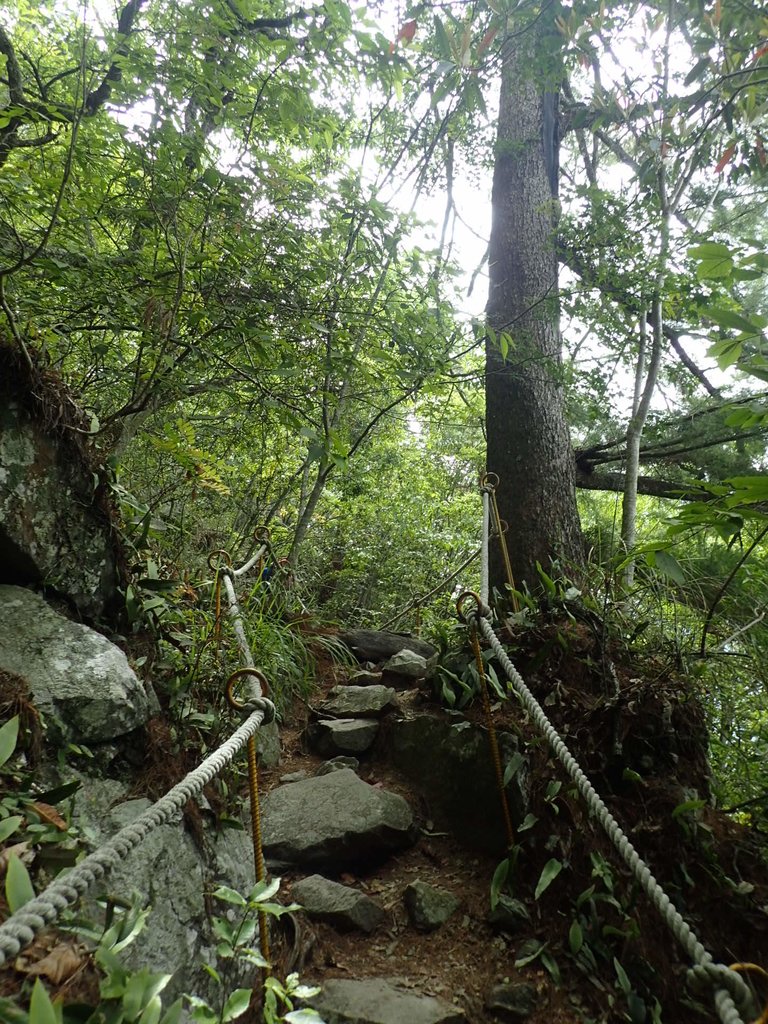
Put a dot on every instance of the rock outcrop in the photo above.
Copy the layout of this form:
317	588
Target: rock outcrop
81	682
55	527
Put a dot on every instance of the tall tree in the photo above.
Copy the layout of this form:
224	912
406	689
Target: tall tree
528	443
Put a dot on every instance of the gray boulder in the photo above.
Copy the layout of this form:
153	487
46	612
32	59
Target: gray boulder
407	663
338	764
365	677
358	701
449	763
342	736
376	645
334	821
428	907
172	876
513	1002
80	681
378	1001
343	907
55	526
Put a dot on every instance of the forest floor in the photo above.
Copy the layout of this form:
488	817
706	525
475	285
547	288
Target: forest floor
714	869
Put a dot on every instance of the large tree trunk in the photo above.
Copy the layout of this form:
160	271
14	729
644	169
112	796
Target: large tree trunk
528	442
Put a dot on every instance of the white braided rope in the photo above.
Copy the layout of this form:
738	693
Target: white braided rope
21	928
727	983
251	562
237	621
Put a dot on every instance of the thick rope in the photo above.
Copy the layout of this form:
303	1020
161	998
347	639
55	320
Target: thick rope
704	966
251	562
727	983
21	928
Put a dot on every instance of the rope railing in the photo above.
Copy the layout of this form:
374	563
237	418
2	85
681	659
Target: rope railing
730	988
21	928
418	602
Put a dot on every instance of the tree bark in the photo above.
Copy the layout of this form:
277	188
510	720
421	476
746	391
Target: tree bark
528	442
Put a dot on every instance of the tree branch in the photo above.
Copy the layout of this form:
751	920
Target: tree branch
645	485
125	24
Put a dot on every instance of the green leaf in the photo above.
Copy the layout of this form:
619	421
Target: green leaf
305	1016
230	896
499	880
152	1011
575	937
8	735
688	807
529	951
669	566
709	251
729	318
236	1005
624	983
9	826
549	873
173	1013
41	1009
264	890
18	885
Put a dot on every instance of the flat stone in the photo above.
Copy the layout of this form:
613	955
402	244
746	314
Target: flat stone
365	677
337	764
378	1001
334	821
407	663
345	908
80	681
342	736
449	762
359	701
515	1002
428	907
293	777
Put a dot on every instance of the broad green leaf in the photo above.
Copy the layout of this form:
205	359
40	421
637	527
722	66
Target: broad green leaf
499	880
529	951
18	885
230	896
41	1009
624	982
729	318
9	825
8	735
152	1011
305	1016
709	251
174	1013
549	873
236	1005
670	566
575	937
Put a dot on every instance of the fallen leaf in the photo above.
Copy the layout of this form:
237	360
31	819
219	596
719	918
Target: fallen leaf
60	964
47	813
